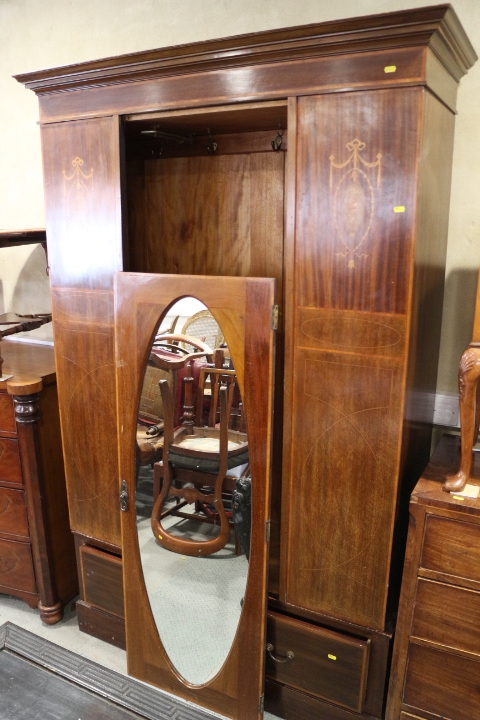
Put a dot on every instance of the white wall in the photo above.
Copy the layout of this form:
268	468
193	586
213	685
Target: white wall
36	34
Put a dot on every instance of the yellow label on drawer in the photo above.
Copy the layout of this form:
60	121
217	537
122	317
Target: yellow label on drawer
390	68
399	208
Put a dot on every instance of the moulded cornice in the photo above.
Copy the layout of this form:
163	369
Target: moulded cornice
436	27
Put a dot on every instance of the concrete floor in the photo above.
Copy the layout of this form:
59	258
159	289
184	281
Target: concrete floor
67	635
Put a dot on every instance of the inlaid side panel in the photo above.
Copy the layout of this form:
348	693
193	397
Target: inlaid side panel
356	199
81	165
86	388
347	420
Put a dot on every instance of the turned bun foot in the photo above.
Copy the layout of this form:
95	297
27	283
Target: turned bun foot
51	614
455	483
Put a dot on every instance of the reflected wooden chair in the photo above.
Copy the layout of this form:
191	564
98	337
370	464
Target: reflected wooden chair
167	361
202	459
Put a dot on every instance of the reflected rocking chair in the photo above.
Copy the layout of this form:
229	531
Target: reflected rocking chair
202	458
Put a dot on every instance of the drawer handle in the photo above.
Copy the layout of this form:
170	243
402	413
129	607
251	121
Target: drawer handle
290	655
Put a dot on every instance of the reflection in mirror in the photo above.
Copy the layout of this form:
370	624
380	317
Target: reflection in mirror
193	491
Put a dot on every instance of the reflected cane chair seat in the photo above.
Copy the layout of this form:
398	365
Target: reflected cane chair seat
202	325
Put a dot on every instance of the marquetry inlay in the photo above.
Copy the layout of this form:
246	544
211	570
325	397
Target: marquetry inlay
354	199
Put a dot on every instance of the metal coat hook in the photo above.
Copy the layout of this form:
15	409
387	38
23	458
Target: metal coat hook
277	143
211	144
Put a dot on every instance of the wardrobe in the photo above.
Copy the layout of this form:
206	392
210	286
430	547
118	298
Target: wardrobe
319	156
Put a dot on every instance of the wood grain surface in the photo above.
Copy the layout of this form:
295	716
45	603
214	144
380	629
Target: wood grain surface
242	307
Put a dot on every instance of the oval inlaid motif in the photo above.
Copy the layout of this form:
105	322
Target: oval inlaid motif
353	208
350	332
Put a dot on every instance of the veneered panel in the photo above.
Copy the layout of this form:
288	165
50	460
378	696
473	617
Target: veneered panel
441	683
86	388
10	467
356	199
347	419
81	165
372	333
451	547
7	416
13	514
219	215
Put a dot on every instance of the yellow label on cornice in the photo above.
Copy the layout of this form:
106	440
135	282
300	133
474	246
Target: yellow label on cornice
390	68
399	208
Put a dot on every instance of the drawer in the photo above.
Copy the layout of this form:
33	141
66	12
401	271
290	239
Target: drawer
452	547
7	415
442	683
326	663
10	468
447	615
102	579
16	566
13	512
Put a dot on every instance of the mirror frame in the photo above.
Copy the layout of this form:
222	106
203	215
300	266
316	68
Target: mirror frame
243	309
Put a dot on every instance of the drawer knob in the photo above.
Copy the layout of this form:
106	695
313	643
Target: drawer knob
290	655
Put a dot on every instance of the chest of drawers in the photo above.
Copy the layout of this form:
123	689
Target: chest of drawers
436	661
37	557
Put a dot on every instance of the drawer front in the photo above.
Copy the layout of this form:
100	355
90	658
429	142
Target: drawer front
10	468
326	664
447	615
7	415
102	579
452	547
16	566
443	684
13	512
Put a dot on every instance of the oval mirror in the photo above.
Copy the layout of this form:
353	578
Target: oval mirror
193	490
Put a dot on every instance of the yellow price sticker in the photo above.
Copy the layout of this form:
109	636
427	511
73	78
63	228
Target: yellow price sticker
332	657
399	208
390	68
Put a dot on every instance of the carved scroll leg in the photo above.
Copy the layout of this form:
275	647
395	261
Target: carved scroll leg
468	374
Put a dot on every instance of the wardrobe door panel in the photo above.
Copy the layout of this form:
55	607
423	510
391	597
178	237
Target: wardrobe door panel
355	226
346	427
82	177
81	162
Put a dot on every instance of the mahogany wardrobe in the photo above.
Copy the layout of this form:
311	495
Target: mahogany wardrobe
319	156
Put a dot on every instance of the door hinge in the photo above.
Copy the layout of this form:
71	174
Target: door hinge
267	530
123	496
261	704
274	317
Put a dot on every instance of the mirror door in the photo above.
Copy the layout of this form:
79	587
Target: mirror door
194	364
